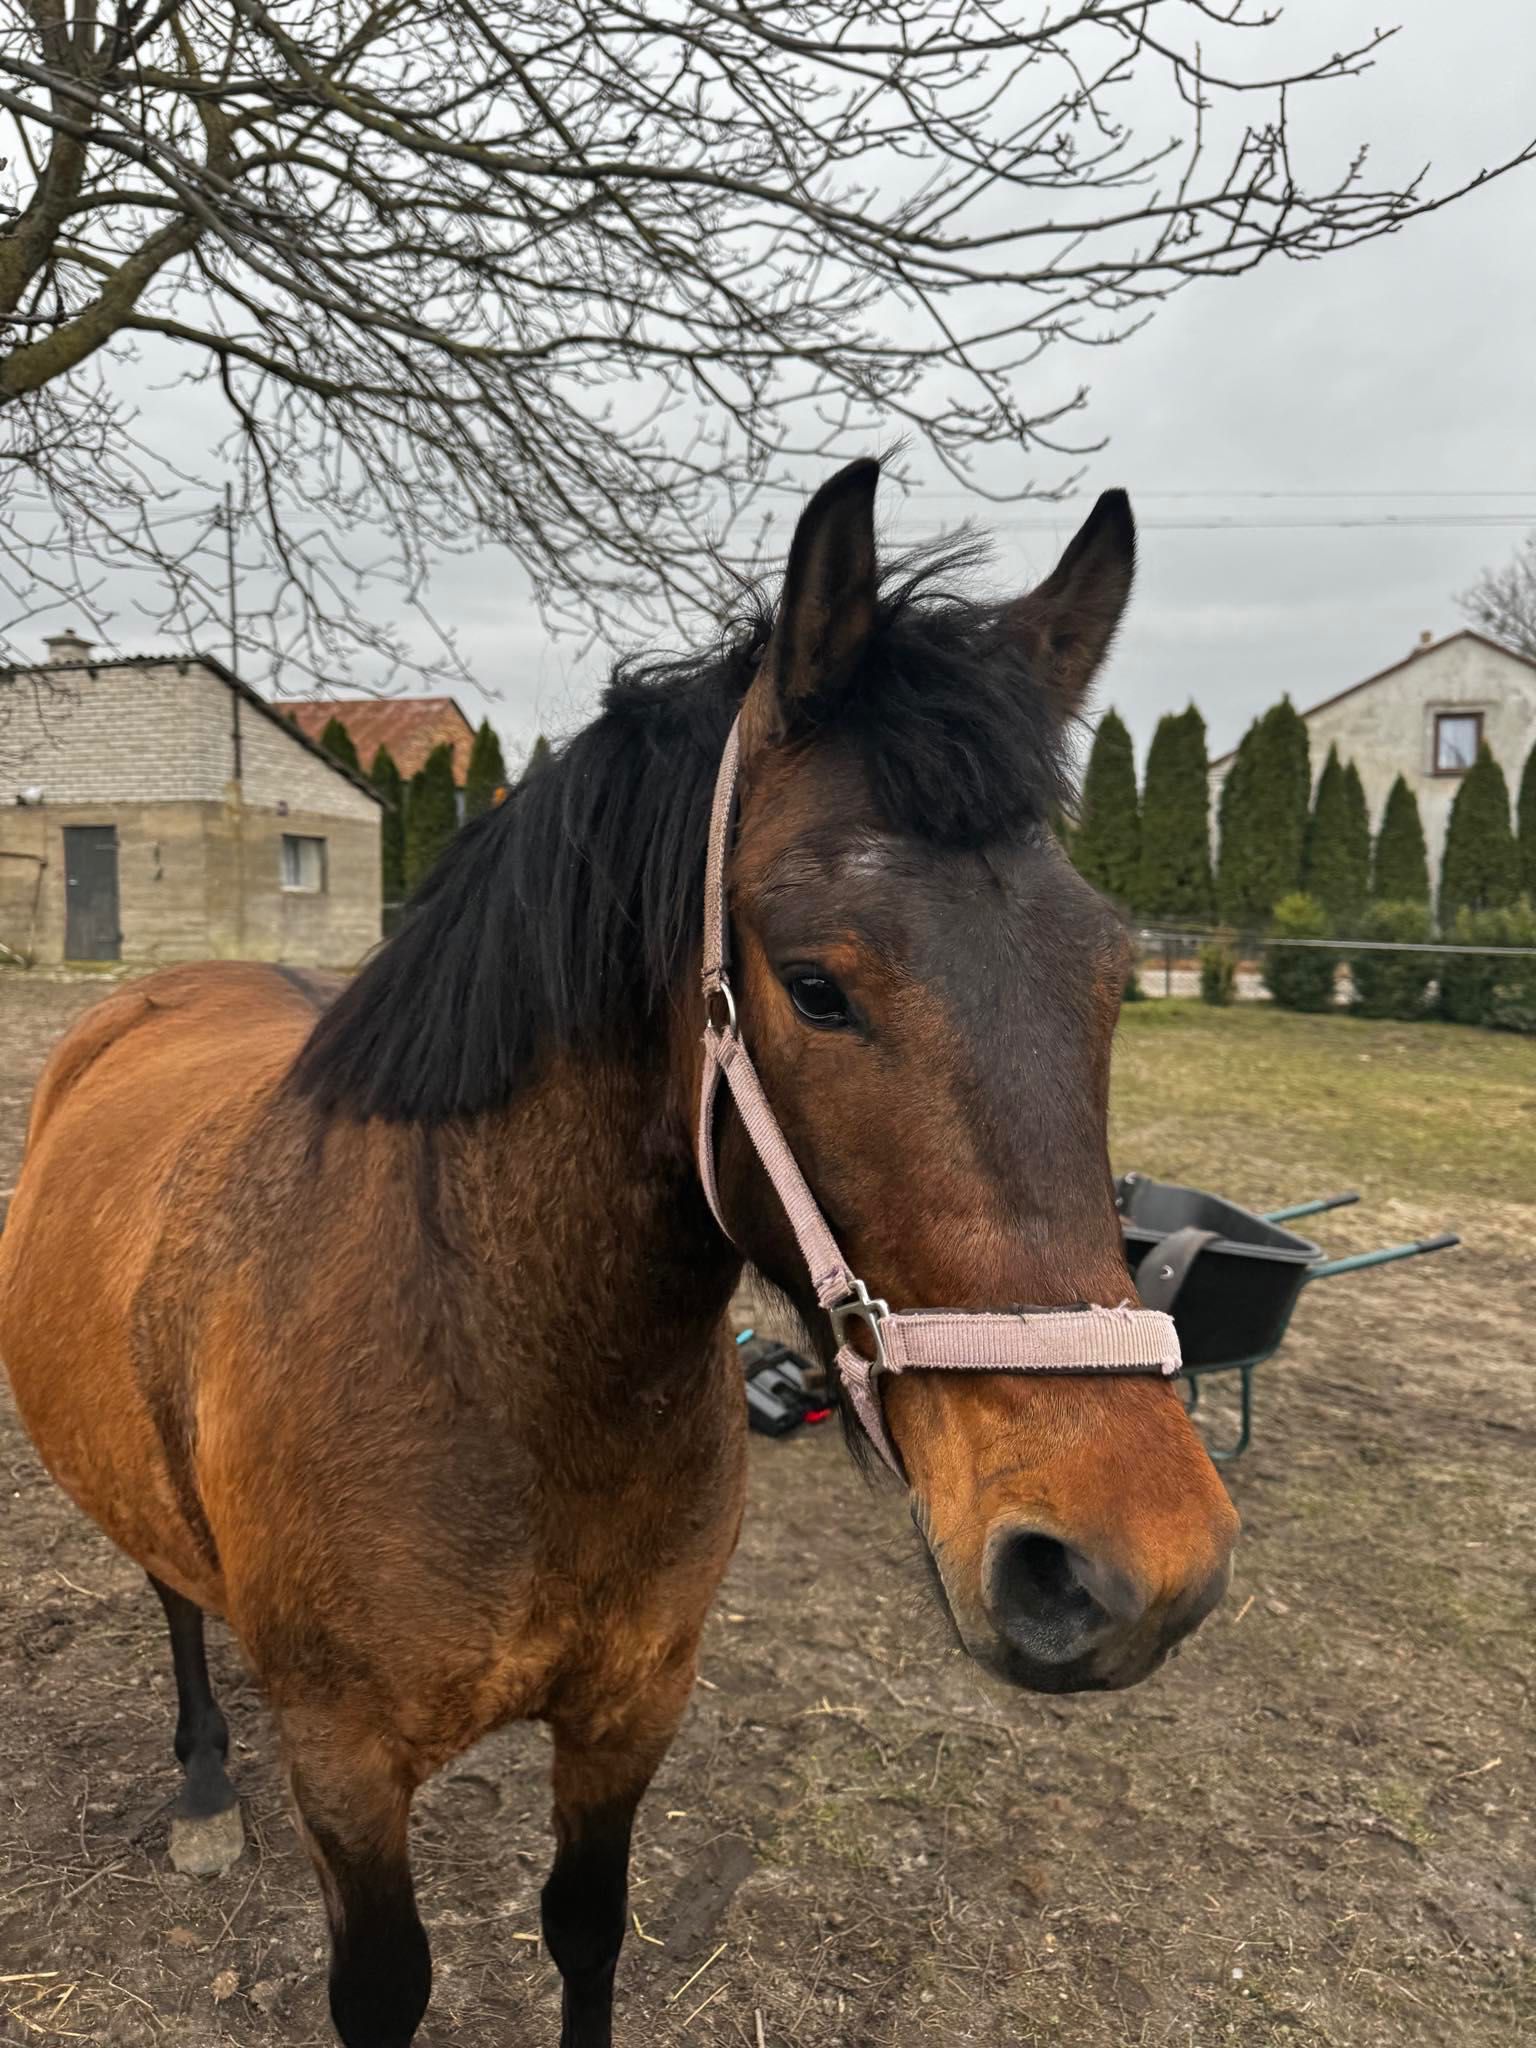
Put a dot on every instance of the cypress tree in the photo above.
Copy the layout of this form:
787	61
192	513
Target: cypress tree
387	780
431	816
1400	864
1480	867
1106	845
1174	879
541	756
487	772
1284	779
1336	863
1264	809
337	740
1526	839
1243	881
1357	839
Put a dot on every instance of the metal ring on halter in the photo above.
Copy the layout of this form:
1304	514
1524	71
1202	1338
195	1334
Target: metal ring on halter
864	1308
721	988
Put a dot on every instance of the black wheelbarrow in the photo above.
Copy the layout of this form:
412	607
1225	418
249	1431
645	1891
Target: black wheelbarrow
1229	1278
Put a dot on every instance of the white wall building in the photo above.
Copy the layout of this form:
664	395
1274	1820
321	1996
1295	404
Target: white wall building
155	808
1424	719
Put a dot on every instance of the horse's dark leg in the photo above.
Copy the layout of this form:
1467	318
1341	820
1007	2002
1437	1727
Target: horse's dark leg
597	1788
353	1809
206	1831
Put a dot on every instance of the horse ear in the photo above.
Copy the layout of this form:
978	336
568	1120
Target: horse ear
827	609
1068	621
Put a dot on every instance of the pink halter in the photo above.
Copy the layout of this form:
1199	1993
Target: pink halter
1083	1340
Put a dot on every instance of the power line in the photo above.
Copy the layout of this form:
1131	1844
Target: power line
1489	522
1081	497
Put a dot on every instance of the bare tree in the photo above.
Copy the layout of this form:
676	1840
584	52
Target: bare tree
585	278
1502	602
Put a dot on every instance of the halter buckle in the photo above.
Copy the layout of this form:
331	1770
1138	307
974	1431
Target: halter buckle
865	1308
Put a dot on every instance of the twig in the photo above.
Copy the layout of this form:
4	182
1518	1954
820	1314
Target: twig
698	1973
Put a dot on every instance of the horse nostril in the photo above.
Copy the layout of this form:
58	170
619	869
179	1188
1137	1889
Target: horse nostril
1050	1601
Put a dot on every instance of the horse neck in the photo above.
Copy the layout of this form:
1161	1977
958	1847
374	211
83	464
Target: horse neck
589	1180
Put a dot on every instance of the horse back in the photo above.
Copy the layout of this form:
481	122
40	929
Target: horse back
170	1069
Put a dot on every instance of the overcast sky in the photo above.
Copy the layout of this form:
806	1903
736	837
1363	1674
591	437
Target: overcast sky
1395	382
1390	378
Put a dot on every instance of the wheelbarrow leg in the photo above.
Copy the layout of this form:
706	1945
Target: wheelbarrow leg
1224	1454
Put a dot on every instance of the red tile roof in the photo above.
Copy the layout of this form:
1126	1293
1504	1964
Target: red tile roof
409	726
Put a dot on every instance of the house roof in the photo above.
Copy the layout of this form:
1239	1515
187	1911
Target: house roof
409	726
229	679
1418	654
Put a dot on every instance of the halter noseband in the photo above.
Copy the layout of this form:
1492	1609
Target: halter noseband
1078	1340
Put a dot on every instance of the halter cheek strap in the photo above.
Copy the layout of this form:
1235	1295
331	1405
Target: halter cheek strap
1079	1340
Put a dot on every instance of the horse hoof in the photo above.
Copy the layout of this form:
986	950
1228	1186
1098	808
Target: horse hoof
207	1847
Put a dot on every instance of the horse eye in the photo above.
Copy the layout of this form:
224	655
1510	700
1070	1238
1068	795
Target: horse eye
818	1000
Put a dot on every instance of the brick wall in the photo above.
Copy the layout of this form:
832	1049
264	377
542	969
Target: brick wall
118	734
152	732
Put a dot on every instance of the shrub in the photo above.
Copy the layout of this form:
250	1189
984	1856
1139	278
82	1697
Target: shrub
1106	846
1480	868
1479	988
1218	973
1133	992
1298	977
1394	984
1399	863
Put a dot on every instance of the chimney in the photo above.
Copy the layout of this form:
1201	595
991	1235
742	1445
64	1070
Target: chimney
1426	638
67	648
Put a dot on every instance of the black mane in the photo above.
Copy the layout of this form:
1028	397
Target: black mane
567	916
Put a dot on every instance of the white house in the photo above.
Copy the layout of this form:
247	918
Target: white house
1424	718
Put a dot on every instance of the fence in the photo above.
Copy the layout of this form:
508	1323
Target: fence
1170	954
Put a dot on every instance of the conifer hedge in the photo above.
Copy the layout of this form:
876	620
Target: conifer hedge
1480	867
1106	845
1399	861
1336	860
432	815
1174	877
337	741
387	780
486	773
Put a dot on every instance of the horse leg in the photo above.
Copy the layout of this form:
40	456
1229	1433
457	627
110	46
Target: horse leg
206	1831
597	1787
353	1806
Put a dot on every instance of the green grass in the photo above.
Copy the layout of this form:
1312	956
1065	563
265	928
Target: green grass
1262	1104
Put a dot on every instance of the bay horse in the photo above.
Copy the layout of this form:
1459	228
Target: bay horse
395	1331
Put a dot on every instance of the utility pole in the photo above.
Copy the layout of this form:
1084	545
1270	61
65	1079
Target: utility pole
229	562
236	747
227	521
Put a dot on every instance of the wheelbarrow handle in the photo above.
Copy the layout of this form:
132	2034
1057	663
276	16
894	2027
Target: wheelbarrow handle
1325	1269
1310	1208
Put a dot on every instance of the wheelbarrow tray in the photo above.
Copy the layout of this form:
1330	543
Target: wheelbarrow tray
1238	1296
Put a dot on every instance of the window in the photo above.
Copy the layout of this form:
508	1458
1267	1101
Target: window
303	864
1458	735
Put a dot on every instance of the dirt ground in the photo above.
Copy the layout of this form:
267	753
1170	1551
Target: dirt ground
1315	1828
